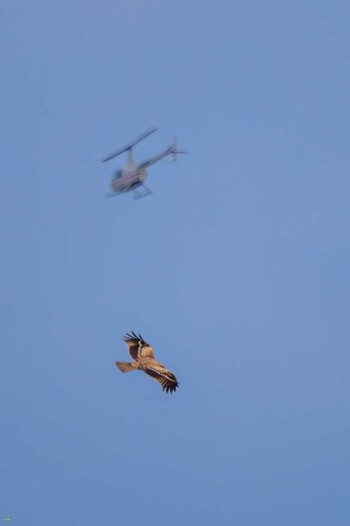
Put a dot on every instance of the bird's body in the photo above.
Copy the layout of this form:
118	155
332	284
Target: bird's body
143	360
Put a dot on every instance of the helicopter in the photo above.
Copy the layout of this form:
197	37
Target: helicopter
133	176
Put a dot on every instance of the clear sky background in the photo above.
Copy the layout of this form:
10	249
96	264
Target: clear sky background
236	269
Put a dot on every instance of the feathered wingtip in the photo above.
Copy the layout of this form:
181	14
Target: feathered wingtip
133	337
171	384
171	387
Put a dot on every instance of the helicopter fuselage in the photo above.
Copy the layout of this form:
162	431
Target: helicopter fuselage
129	178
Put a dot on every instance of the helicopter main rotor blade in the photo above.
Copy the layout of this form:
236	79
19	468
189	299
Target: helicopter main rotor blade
131	144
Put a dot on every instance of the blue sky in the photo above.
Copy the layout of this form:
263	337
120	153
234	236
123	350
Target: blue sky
236	269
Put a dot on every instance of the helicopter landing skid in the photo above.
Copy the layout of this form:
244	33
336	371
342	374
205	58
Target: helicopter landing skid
137	194
145	192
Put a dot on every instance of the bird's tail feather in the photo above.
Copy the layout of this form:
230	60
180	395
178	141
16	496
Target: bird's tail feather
125	367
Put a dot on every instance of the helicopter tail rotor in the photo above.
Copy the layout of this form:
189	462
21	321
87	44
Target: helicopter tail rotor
174	151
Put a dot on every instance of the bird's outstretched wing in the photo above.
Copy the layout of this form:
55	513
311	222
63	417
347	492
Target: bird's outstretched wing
137	346
161	375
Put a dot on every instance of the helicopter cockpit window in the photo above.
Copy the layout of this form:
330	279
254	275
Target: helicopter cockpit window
118	174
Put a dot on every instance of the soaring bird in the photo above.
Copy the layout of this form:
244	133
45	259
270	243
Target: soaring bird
143	360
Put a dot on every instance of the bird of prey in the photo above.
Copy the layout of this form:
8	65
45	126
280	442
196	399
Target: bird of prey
143	360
